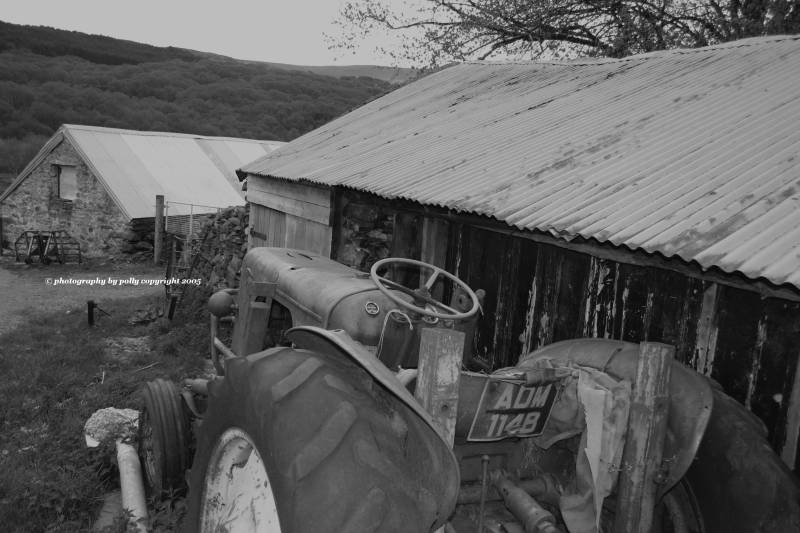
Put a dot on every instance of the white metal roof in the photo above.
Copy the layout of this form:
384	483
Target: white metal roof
135	166
694	153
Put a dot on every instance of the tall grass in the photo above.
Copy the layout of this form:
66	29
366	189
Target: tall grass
55	371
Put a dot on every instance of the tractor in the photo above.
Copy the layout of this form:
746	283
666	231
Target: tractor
353	402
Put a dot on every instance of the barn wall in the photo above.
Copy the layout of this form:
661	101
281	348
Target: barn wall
93	218
291	215
538	293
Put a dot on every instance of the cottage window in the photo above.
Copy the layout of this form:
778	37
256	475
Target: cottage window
67	183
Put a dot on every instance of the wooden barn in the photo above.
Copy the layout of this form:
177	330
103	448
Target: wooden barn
95	183
655	197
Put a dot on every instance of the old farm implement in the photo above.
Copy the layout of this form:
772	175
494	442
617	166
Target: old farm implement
47	246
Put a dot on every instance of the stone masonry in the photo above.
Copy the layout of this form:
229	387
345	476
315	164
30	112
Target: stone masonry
93	218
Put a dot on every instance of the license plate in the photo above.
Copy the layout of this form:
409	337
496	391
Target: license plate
512	409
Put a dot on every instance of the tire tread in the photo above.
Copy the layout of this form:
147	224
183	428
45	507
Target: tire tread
335	444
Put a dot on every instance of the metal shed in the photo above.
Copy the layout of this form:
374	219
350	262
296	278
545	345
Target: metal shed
654	197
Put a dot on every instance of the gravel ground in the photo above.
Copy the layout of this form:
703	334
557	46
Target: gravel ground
25	288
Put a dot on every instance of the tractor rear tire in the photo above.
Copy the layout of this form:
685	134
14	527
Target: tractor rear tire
739	482
337	452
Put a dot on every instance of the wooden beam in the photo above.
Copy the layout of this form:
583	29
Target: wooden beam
158	237
254	302
675	264
619	254
789	450
291	206
707	331
644	442
440	354
307	192
433	249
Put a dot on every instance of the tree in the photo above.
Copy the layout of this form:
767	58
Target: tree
435	32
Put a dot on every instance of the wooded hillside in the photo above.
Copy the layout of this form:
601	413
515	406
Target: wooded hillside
50	77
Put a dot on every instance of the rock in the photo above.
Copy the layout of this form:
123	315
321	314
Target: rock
145	316
110	424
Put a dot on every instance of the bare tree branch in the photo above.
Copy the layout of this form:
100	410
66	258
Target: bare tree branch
440	31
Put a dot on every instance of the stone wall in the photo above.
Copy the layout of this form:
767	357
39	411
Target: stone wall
224	243
365	232
93	218
216	258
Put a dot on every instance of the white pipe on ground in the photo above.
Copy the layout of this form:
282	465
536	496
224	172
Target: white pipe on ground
131	484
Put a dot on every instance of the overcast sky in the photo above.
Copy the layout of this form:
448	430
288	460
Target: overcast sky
282	31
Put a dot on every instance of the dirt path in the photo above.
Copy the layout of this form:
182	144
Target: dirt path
25	288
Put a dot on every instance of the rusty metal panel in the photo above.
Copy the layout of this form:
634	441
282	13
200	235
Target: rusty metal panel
689	153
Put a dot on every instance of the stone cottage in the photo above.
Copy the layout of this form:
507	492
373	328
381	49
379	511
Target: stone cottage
97	183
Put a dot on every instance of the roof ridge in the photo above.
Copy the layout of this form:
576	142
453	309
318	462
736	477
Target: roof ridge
106	129
584	61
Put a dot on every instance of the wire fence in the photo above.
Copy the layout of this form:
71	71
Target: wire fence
186	226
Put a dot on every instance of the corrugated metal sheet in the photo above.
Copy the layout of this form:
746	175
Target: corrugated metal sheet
135	166
694	153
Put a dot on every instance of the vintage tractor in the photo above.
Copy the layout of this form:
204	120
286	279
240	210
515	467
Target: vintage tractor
346	404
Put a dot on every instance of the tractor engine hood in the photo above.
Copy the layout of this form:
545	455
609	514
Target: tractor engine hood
321	292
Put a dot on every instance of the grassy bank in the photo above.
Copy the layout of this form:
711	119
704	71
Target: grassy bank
55	371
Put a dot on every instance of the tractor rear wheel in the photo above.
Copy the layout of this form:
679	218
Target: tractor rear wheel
677	512
297	441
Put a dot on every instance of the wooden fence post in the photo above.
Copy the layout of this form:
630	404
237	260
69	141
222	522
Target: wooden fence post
158	237
644	441
440	354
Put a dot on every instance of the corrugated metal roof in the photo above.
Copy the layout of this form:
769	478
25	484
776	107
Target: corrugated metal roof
135	166
694	153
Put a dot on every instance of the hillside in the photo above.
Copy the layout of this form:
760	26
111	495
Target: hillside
49	77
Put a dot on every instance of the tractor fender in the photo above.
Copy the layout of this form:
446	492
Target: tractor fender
690	394
739	483
759	492
323	340
328	341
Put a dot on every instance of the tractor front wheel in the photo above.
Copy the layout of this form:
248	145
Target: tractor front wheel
295	441
164	437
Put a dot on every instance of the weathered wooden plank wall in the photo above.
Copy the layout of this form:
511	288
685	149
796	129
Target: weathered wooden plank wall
748	344
292	215
538	293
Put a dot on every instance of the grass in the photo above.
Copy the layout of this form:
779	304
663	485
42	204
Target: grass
54	373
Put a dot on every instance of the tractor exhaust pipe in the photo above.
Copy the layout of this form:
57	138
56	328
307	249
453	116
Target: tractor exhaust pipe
131	484
544	488
118	426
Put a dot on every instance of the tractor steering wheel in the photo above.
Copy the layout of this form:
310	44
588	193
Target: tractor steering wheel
423	293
